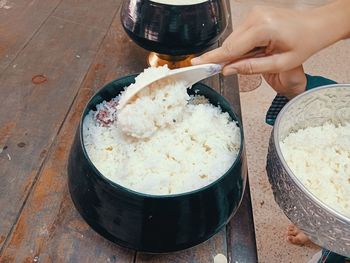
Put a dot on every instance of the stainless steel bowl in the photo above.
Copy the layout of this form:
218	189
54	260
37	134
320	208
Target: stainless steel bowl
325	226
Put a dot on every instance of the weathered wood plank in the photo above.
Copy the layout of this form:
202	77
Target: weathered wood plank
229	85
241	233
49	227
203	253
61	51
99	12
240	230
19	20
206	251
112	61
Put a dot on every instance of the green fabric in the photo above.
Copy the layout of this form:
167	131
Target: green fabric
279	101
331	257
317	81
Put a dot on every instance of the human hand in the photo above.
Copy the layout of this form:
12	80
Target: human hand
289	83
290	37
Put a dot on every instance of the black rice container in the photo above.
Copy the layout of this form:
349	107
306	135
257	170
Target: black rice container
152	223
174	29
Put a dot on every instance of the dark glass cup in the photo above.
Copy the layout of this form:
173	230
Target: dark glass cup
175	30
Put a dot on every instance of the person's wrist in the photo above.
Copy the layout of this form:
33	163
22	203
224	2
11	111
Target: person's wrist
297	89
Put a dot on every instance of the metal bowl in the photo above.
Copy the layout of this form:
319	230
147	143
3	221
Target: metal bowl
153	223
324	226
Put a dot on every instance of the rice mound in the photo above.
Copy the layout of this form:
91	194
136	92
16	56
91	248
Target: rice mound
320	158
155	108
162	143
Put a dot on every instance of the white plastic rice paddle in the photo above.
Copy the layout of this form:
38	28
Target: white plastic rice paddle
190	75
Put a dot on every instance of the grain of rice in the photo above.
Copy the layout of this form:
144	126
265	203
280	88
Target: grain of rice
320	158
161	143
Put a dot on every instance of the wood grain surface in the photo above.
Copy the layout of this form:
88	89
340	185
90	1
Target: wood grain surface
32	114
20	20
75	50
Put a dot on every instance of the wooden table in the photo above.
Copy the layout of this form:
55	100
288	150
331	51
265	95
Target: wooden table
54	54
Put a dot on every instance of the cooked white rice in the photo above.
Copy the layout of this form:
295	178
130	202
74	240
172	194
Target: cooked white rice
156	108
161	144
320	158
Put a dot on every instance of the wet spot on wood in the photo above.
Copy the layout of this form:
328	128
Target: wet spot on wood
5	131
7	259
78	225
28	260
99	66
5	147
42	154
39	79
21	144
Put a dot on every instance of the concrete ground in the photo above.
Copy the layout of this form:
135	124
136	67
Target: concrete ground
270	222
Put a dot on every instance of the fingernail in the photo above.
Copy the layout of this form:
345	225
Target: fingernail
229	71
196	61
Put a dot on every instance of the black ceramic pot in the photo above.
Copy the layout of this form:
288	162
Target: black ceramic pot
174	30
152	223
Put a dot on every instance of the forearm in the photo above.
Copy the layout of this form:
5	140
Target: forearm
289	36
331	22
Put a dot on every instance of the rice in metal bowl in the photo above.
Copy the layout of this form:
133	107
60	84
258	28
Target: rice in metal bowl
165	142
320	158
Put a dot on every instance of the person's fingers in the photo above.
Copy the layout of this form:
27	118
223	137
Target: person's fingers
238	31
252	19
291	227
292	232
235	46
244	25
267	76
293	240
269	64
227	71
299	239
